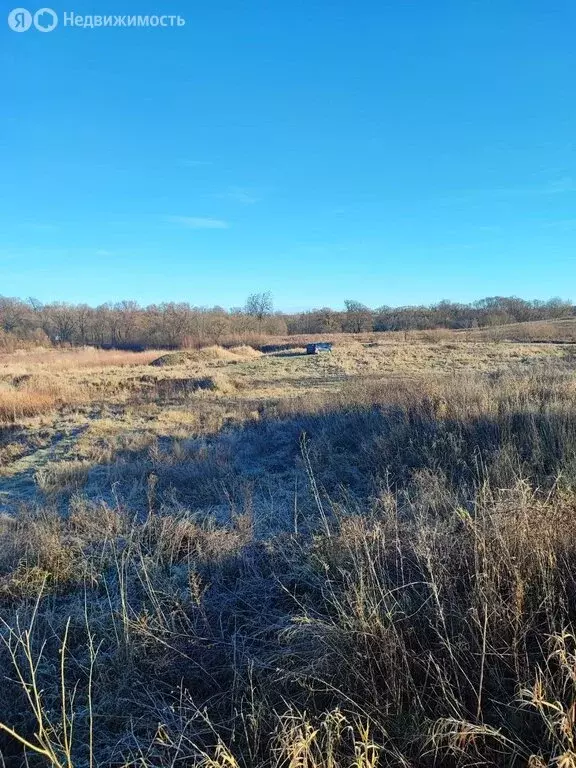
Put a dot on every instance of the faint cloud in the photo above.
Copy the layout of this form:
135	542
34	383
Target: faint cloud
565	225
240	195
563	185
41	227
194	163
103	252
36	226
199	222
553	187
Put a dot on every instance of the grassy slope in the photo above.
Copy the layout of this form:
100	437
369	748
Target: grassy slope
551	331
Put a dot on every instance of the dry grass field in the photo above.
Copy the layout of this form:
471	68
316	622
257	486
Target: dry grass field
228	559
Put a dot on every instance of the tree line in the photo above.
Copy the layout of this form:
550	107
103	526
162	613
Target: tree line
128	325
488	312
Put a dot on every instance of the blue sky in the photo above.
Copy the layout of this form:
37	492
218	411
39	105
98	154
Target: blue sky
392	152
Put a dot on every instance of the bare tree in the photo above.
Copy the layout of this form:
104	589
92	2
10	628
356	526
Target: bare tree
62	319
83	316
128	325
259	305
175	322
358	316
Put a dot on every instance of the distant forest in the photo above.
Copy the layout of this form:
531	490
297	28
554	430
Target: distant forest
127	325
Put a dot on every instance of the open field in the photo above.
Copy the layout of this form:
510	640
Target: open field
550	331
560	331
229	559
87	410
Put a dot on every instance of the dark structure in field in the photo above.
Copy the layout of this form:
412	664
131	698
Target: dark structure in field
317	347
278	347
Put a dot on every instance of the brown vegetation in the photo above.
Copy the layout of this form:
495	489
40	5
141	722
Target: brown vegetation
127	325
348	561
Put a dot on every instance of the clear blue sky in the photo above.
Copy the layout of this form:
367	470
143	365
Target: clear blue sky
391	151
